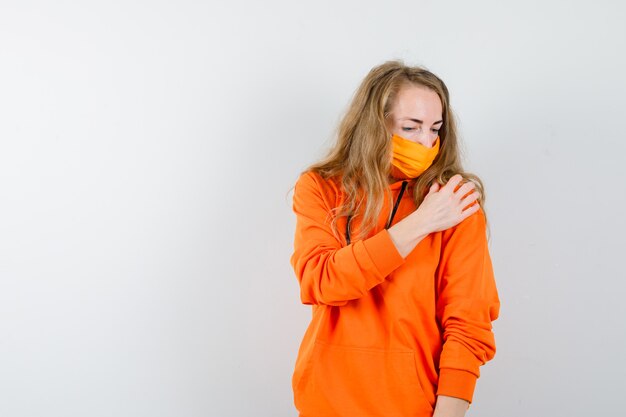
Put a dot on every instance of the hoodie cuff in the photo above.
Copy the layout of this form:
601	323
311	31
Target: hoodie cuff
456	383
383	252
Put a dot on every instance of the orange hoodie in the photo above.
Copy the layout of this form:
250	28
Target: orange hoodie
388	333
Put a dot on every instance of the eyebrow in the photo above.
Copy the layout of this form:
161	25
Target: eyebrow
419	121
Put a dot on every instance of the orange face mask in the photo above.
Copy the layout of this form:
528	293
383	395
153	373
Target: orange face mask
412	158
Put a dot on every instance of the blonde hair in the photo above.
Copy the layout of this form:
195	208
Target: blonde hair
360	159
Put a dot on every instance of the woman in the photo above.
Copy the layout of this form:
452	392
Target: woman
391	252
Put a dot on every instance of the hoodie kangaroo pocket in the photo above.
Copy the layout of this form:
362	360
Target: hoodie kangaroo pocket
353	381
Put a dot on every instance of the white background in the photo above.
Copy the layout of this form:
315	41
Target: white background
146	154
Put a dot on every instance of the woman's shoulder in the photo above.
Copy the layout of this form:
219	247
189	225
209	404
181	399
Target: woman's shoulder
325	185
473	227
312	186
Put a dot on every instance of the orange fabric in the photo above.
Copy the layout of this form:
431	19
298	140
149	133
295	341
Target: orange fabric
412	158
387	333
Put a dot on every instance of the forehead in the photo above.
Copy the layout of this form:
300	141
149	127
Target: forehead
417	102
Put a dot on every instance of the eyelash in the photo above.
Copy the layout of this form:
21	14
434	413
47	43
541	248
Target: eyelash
412	128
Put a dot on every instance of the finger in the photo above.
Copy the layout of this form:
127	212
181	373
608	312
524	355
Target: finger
462	183
434	187
452	183
465	189
471	209
470	201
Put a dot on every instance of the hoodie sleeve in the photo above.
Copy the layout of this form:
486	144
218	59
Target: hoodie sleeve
328	272
467	303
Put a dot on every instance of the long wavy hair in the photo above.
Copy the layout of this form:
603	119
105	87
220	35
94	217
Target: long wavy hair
360	159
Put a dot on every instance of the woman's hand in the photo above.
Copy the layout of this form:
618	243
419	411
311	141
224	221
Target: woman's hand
443	207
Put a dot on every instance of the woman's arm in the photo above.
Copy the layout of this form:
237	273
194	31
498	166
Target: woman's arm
328	272
467	303
450	406
408	232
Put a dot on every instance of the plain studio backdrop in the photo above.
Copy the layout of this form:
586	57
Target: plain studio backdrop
148	150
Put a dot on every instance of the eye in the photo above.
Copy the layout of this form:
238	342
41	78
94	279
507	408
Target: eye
408	129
